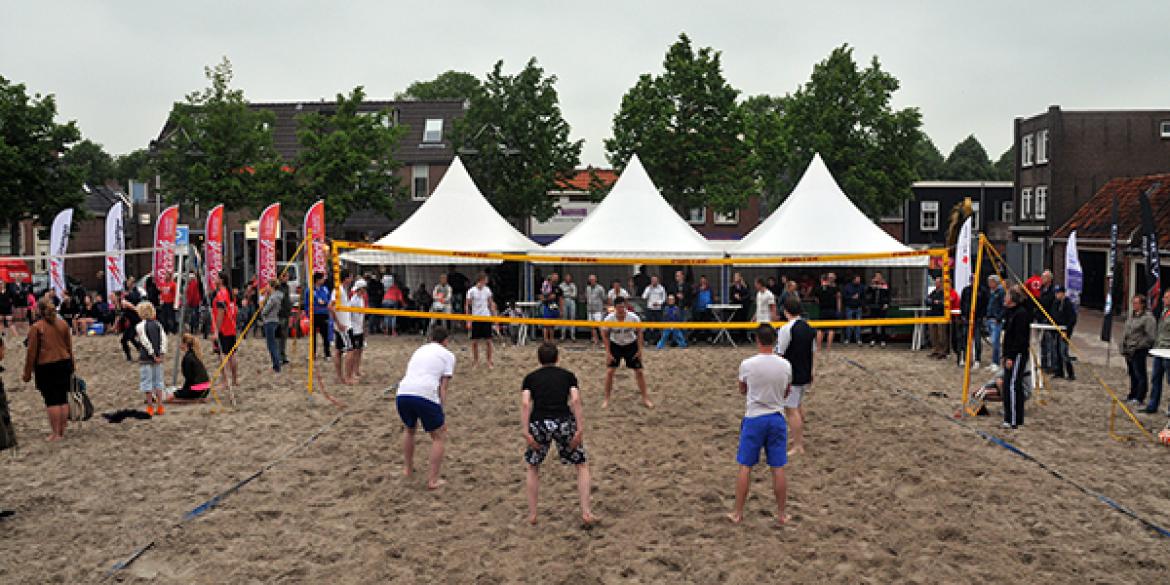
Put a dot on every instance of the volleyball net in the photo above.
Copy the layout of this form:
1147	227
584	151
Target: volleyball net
367	254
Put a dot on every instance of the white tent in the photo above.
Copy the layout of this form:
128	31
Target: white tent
634	221
455	217
818	218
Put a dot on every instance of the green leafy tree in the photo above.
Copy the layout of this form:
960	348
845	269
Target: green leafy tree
95	164
1006	165
928	161
447	86
968	162
218	150
843	112
515	143
348	158
763	118
36	182
688	131
133	166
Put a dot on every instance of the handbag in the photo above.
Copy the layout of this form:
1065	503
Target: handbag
80	407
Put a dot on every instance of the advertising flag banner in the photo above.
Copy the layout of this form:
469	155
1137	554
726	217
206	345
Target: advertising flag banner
58	244
963	257
213	246
1110	270
164	244
1153	259
315	223
266	243
1074	278
115	248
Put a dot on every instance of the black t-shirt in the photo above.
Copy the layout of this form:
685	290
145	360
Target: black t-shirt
550	392
800	352
827	296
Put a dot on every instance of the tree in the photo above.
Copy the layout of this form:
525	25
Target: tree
844	113
133	166
515	143
348	158
928	161
968	162
449	85
35	180
95	165
763	117
1006	165
218	150
688	131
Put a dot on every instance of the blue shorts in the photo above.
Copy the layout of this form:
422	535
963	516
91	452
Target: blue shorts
413	408
769	432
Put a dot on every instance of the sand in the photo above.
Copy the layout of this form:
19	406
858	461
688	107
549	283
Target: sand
889	490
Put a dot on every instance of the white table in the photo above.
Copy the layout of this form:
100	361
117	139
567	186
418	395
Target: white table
723	314
919	336
528	307
1033	367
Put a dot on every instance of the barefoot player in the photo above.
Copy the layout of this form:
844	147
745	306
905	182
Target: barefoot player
480	302
421	396
796	341
763	378
622	343
550	410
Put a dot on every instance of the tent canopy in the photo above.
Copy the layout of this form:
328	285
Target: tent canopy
455	217
633	221
817	219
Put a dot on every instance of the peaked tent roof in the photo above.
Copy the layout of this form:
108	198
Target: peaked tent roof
818	218
455	217
634	220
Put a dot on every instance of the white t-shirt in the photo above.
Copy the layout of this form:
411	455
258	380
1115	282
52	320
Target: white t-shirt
767	377
764	302
622	335
611	295
655	296
480	299
425	370
342	323
357	321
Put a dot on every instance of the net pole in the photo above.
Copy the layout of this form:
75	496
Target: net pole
971	320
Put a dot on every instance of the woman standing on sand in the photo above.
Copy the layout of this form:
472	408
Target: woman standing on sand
50	357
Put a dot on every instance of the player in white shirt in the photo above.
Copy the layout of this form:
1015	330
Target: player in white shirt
623	343
358	299
421	396
480	302
765	303
341	330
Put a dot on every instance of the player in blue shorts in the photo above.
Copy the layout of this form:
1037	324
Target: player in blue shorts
421	396
765	379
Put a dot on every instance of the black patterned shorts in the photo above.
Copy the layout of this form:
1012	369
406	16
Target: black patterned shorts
561	430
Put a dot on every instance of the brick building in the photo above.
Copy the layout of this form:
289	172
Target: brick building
926	214
1063	157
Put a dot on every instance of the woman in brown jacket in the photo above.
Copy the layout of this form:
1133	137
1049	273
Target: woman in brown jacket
50	356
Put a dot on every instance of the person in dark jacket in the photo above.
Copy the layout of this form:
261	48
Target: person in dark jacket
939	343
1064	312
196	383
877	298
1048	338
995	314
965	320
853	299
1017	328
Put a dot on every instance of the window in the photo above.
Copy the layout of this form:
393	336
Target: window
1042	147
1041	205
1165	129
727	218
697	215
1026	150
928	216
421	178
1026	203
1007	211
433	132
975	214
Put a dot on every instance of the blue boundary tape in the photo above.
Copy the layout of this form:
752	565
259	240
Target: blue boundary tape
1008	446
218	499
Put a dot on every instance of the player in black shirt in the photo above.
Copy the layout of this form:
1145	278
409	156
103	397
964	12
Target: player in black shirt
551	411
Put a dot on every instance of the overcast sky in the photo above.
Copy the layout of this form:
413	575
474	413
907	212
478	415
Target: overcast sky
971	67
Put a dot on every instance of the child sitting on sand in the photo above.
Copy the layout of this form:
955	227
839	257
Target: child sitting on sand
152	341
196	384
672	314
551	411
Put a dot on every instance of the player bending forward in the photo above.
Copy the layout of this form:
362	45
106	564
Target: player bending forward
421	396
623	344
550	411
763	378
